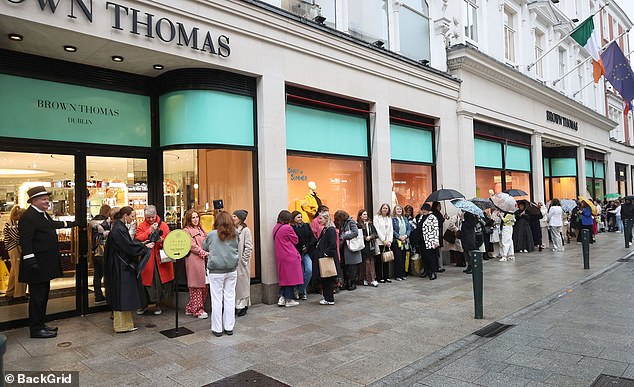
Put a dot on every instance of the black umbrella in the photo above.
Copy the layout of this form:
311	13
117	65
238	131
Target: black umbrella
516	192
482	203
444	194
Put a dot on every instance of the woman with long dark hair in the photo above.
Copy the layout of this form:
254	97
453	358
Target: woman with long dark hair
120	258
222	263
348	230
306	246
368	273
289	262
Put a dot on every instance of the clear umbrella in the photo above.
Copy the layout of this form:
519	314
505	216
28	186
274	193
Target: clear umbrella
504	202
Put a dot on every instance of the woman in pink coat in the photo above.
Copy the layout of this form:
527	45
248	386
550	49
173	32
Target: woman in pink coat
289	262
195	265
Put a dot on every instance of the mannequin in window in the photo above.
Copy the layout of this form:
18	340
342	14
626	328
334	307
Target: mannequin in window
311	201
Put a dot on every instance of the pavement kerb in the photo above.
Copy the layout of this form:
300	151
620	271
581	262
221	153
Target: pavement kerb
415	371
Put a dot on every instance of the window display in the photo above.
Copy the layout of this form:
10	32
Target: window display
336	183
411	184
487	180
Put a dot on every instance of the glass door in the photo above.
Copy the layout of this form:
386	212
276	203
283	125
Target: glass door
18	173
111	182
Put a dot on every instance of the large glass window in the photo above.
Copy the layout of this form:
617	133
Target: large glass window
193	178
411	184
560	178
414	29
519	180
621	179
19	173
595	179
470	20
563	188
338	183
487	180
509	35
367	20
309	9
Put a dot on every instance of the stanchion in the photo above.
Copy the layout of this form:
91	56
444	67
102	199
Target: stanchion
585	246
476	264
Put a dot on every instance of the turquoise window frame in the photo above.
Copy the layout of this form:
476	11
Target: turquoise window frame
206	117
321	131
546	167
45	110
563	167
589	168
488	154
517	158
599	170
411	144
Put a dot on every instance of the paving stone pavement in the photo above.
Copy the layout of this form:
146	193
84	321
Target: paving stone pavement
570	325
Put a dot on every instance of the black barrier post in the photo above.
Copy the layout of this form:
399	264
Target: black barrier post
585	246
627	231
476	264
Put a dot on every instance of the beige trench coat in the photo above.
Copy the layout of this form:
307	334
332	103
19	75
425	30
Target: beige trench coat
245	251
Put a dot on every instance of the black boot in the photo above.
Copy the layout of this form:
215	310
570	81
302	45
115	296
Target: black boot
432	276
423	274
242	312
468	270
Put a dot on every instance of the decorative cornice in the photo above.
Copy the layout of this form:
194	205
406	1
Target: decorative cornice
465	58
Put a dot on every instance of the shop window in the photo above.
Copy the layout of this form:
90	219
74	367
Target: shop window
367	20
519	180
194	178
411	184
414	29
563	188
487	180
339	184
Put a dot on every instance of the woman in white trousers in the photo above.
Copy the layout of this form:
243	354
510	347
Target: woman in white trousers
555	223
222	264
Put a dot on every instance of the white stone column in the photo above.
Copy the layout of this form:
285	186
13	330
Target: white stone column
381	159
457	160
273	190
581	169
537	166
610	173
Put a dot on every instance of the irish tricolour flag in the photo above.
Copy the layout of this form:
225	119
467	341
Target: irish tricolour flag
588	38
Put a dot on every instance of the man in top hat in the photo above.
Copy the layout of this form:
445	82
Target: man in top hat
41	261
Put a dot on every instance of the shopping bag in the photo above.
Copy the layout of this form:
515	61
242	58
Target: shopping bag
327	267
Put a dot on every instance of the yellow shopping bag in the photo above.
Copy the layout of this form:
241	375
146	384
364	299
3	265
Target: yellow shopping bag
4	277
407	262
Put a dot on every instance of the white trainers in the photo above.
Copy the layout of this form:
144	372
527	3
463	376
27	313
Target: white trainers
158	310
503	259
374	283
365	283
203	315
281	301
141	311
290	303
512	258
324	302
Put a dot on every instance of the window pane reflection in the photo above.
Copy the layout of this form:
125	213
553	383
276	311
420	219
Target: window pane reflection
368	20
411	184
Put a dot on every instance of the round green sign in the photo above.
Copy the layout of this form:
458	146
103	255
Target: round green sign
177	244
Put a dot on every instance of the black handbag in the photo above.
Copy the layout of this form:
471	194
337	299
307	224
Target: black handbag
449	236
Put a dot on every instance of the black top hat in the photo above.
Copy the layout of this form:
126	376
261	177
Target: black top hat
35	192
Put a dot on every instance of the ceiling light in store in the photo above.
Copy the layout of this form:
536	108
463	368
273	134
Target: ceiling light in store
22	172
130	175
158	67
117	58
16	37
195	185
70	48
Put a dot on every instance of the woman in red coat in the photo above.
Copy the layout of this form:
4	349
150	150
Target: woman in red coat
157	277
195	265
289	262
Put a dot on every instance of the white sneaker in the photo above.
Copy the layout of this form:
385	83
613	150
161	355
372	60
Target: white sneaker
141	311
158	310
365	283
290	303
324	302
512	258
281	301
503	259
374	283
203	315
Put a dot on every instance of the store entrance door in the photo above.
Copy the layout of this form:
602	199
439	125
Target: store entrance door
111	182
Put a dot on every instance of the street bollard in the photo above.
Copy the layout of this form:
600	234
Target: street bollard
476	265
585	246
627	231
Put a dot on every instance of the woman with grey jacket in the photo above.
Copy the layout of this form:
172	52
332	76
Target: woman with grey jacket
222	264
348	230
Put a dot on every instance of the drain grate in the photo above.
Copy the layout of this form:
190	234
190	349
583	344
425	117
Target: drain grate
248	378
492	329
612	381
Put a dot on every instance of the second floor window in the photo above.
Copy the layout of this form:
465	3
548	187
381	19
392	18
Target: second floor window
562	67
539	50
414	29
509	36
470	20
367	20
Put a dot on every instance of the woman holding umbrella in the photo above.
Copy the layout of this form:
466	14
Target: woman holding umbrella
587	220
522	234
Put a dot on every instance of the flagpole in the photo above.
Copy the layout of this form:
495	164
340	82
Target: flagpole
562	39
588	58
586	85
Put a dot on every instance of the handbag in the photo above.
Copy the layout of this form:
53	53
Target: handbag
387	256
449	236
356	243
327	267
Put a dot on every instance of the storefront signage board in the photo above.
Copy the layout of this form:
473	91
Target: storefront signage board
32	108
561	120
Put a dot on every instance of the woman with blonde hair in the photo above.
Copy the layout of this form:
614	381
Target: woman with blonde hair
222	263
385	231
16	288
327	247
195	266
